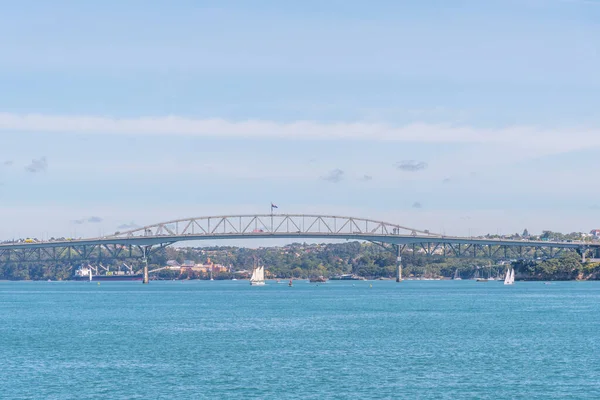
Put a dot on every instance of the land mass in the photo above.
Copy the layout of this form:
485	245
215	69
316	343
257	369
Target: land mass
301	260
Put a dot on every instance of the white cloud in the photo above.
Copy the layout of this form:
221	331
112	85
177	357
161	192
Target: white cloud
538	141
334	176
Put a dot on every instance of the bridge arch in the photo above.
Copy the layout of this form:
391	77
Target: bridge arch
260	225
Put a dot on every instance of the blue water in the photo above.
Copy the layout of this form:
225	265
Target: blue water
213	340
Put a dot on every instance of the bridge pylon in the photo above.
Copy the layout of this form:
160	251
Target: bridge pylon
146	278
398	263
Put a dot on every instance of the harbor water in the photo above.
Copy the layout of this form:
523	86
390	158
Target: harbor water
339	340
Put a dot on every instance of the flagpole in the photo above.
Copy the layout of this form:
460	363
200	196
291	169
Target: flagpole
271	217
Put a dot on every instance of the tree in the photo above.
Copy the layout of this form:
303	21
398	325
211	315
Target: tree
297	272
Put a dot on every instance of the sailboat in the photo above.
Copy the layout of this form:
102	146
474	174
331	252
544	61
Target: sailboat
510	277
456	276
477	278
258	276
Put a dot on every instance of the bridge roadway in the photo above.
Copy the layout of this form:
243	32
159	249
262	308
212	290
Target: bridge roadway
292	226
395	239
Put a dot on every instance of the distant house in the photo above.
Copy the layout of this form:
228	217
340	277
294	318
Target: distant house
216	268
595	232
219	268
202	267
172	263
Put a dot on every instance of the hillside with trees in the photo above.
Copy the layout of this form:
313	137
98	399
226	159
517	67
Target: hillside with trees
301	260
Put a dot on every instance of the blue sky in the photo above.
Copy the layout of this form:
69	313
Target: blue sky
144	111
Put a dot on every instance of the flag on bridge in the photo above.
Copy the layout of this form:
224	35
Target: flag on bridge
273	206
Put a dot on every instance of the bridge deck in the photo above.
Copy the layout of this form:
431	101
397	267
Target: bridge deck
385	238
140	242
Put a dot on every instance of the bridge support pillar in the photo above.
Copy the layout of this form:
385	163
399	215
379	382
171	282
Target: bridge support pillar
146	278
582	252
398	264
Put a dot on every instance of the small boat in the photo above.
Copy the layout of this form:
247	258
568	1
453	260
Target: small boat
456	275
258	276
482	278
478	278
348	277
290	284
510	277
86	274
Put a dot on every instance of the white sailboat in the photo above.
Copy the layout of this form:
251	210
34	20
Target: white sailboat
510	277
456	276
258	276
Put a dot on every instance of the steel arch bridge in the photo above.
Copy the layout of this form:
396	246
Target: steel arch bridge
146	240
272	224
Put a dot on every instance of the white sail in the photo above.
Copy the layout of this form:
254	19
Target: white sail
510	277
456	276
258	276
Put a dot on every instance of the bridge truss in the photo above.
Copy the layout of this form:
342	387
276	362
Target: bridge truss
276	224
146	241
75	253
492	251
